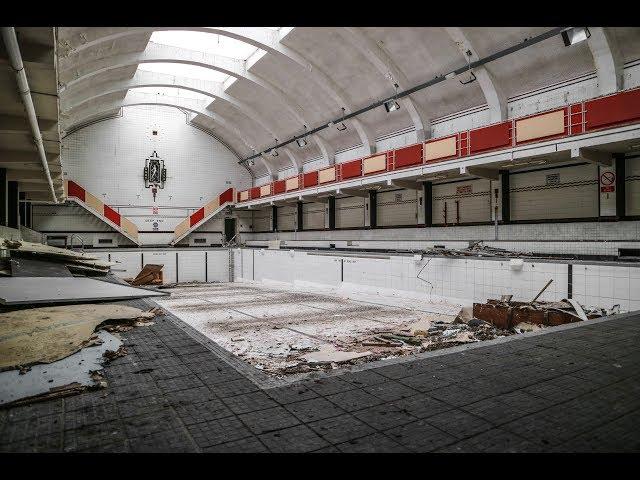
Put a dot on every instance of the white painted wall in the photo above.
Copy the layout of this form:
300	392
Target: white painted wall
108	157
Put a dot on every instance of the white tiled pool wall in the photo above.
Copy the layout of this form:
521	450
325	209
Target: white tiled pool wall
466	279
593	284
571	238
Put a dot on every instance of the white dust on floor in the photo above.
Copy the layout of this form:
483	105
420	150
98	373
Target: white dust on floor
274	327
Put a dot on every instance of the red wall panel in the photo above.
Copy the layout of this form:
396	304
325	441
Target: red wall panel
112	215
254	193
310	179
75	190
408	156
487	138
352	169
226	196
620	108
196	217
278	187
576	119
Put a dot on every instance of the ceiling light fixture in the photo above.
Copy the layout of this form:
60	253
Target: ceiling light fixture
469	76
575	35
341	127
302	142
274	152
392	105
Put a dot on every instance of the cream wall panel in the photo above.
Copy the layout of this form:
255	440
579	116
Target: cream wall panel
327	175
541	126
292	183
244	195
440	149
374	164
265	190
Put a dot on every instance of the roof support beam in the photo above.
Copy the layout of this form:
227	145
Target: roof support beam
593	156
387	67
297	165
328	153
496	99
607	60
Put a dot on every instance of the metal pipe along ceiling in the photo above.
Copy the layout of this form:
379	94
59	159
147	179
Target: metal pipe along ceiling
440	78
15	58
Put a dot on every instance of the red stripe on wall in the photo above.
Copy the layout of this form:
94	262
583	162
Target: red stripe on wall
278	187
75	190
226	196
487	138
112	215
310	179
254	193
196	217
352	169
408	156
620	108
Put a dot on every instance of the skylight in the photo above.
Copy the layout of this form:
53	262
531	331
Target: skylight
202	42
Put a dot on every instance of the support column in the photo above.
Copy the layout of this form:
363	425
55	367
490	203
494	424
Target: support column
3	197
505	200
300	216
427	196
373	208
13	215
28	221
23	209
274	218
621	192
331	206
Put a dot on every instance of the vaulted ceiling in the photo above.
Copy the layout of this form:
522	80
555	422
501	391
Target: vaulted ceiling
269	84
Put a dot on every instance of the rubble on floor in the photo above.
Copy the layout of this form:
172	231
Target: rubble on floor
512	314
151	274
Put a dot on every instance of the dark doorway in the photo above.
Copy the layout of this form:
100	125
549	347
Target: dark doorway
229	228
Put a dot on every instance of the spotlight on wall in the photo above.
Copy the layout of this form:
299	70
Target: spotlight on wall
251	162
301	142
341	126
391	106
575	35
274	152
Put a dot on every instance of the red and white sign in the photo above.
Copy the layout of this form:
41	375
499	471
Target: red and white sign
155	210
607	182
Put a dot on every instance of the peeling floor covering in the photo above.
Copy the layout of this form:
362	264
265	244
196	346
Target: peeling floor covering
272	326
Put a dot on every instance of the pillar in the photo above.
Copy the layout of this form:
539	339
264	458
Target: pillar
621	193
332	213
373	208
13	215
427	196
3	197
274	218
505	200
299	213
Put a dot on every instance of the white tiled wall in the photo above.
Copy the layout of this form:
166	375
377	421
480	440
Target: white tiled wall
192	266
606	285
107	158
464	279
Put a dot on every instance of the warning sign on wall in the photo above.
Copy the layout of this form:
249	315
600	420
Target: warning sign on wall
607	182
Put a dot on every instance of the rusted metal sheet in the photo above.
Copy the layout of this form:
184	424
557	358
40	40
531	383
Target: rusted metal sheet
507	315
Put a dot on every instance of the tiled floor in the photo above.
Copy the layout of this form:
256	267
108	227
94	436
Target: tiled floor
572	390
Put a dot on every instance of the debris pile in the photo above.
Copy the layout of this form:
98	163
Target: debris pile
150	274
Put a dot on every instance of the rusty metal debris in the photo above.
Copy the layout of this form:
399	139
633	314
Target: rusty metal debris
151	274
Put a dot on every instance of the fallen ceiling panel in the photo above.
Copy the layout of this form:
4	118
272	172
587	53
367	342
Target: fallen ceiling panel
30	290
